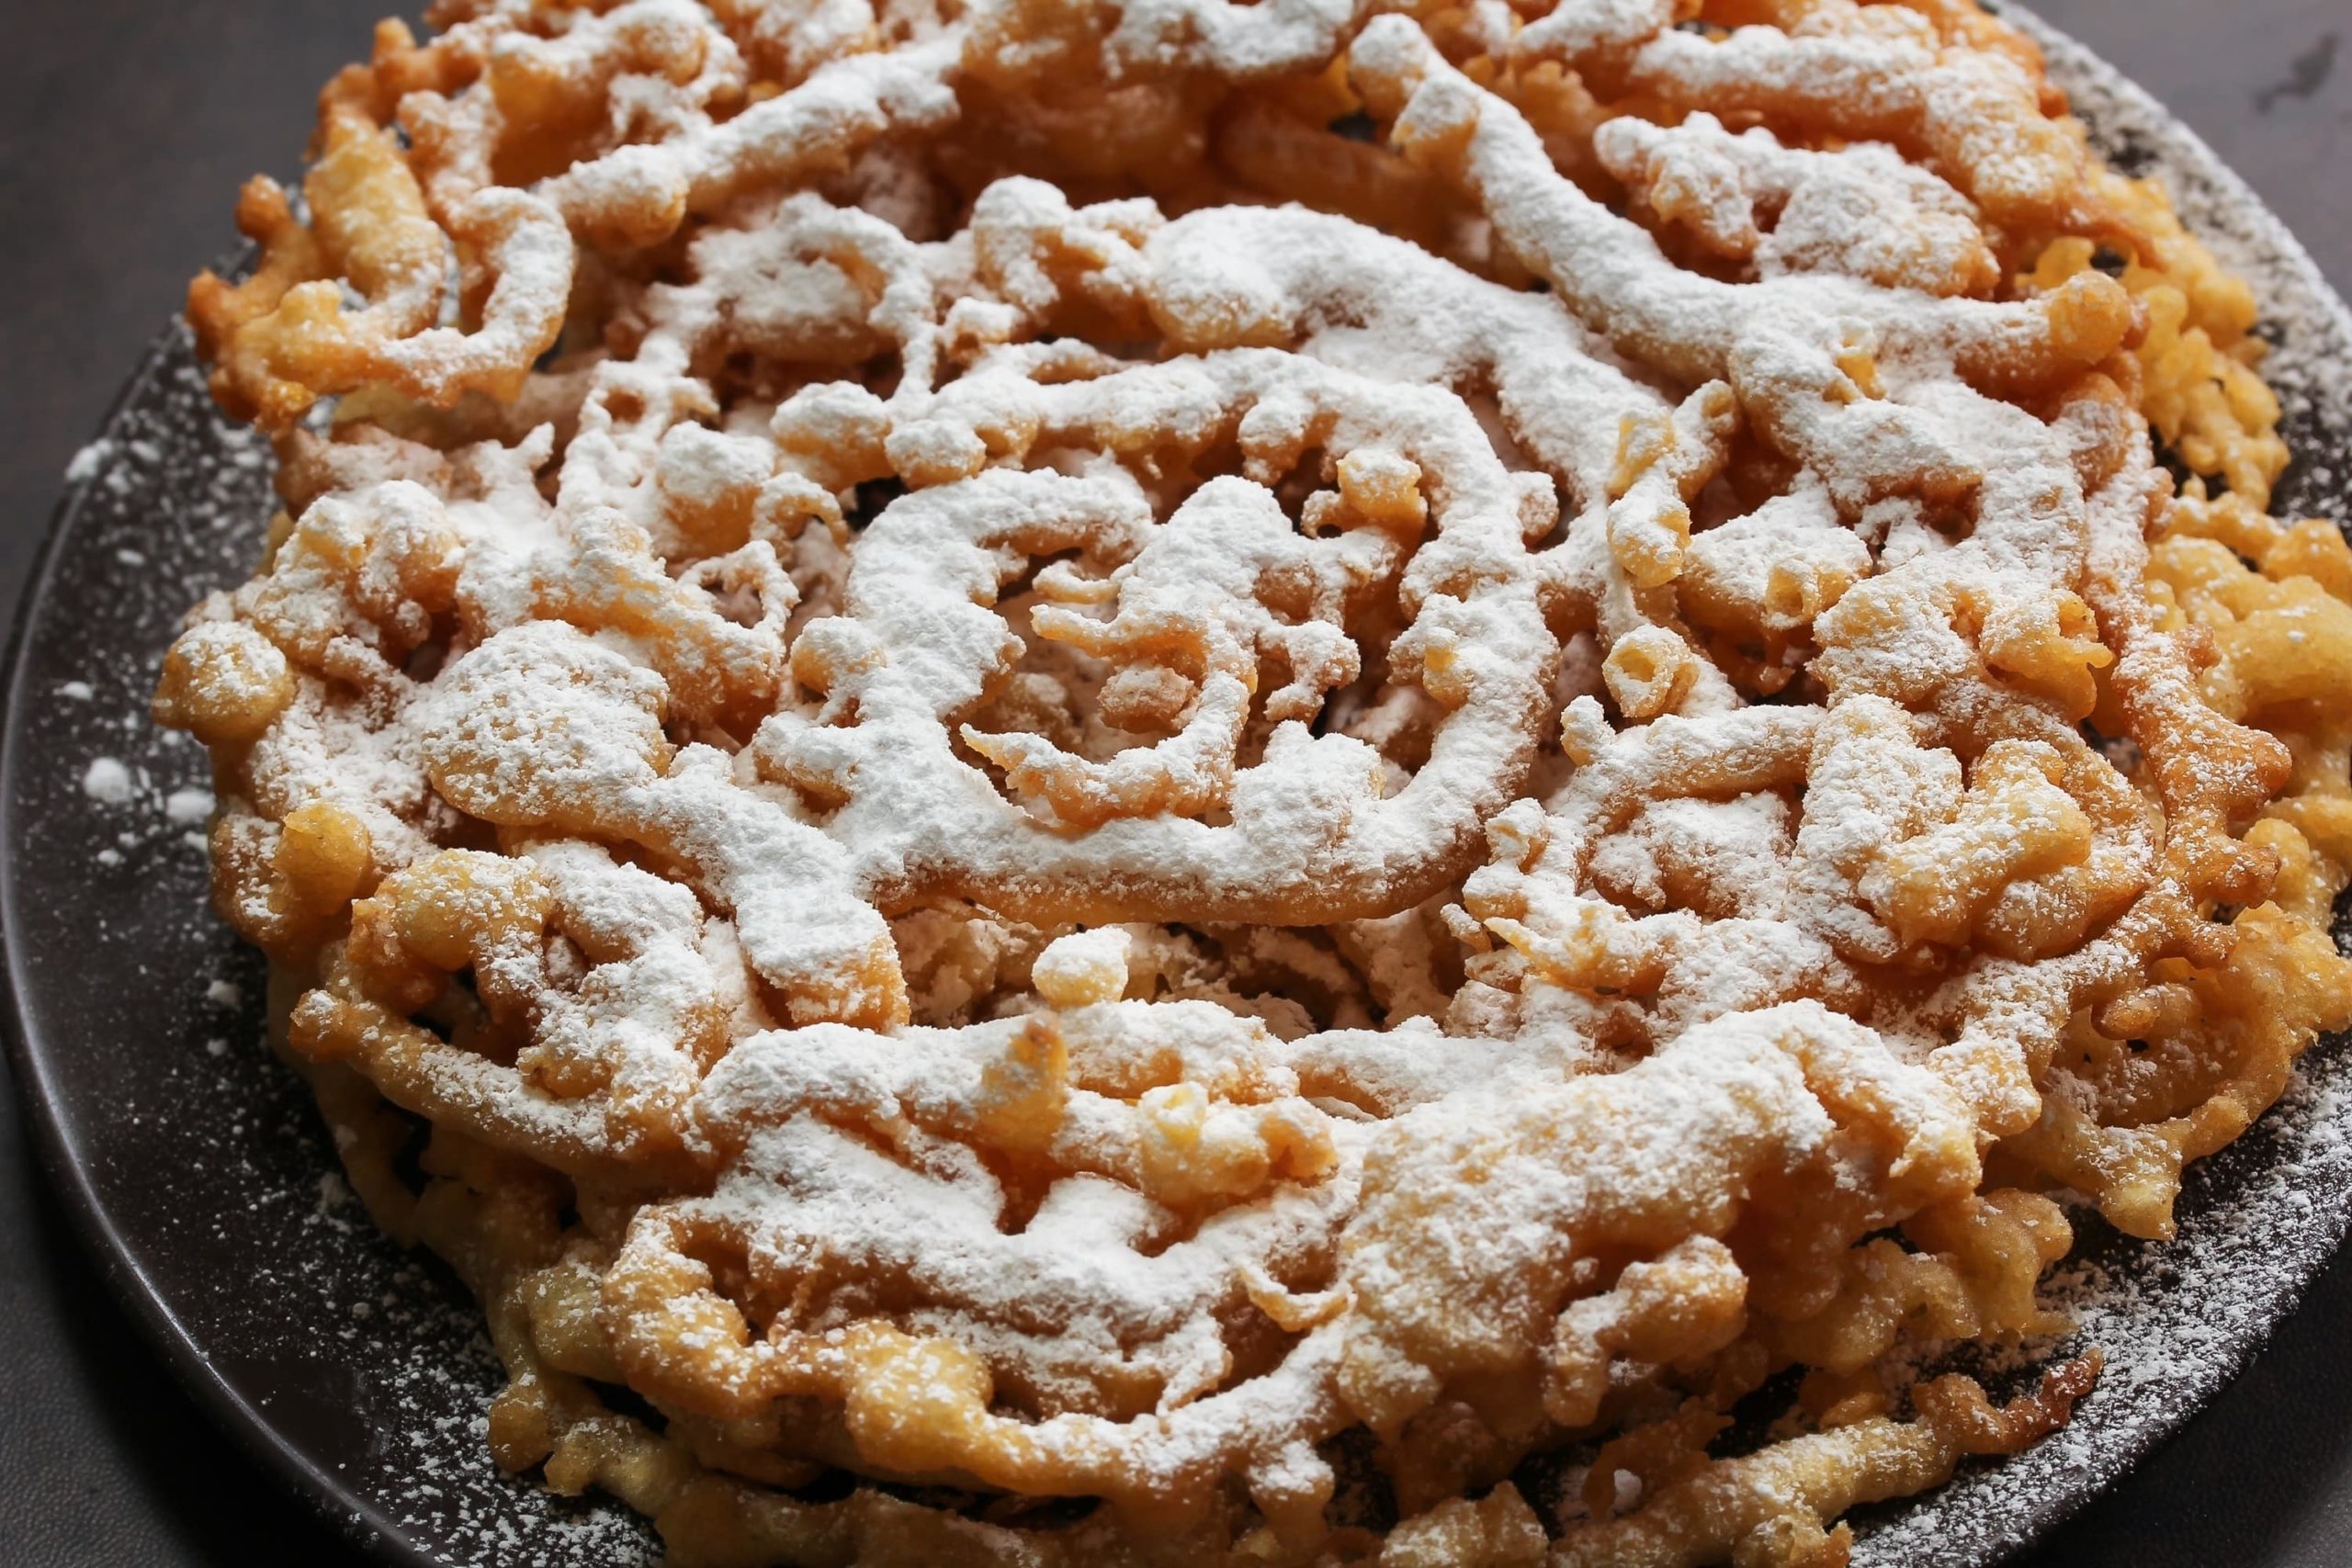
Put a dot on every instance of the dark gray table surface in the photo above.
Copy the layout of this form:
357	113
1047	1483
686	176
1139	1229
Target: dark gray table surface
125	126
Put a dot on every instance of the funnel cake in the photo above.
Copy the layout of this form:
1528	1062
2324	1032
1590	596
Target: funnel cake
1260	784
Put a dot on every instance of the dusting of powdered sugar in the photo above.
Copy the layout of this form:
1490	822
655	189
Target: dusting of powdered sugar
108	783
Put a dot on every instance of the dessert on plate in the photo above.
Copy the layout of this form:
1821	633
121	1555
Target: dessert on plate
1262	783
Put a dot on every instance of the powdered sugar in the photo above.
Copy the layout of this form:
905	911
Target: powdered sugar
107	780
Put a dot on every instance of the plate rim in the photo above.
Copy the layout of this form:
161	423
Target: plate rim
363	1523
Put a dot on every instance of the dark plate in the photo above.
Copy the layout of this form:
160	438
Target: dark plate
206	1186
